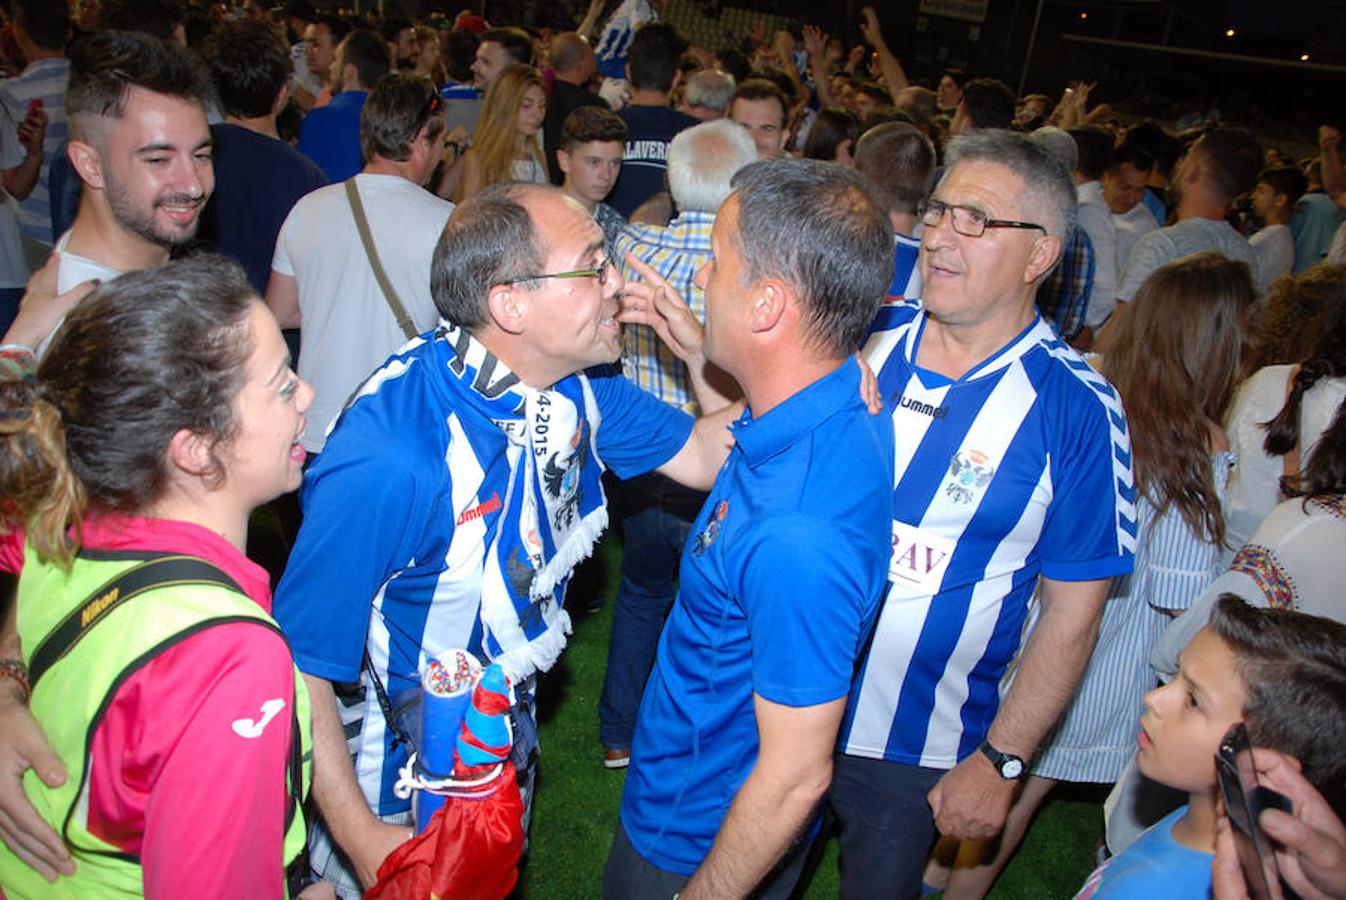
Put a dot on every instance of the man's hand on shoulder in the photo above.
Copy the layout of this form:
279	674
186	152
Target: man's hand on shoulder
971	801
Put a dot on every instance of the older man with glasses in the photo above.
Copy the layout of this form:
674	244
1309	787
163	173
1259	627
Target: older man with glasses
1013	468
457	491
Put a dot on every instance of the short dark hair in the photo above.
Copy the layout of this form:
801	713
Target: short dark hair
1233	158
733	61
336	26
1162	147
369	54
830	129
1095	150
392	26
489	239
873	89
249	65
1287	180
756	88
158	18
516	42
143	357
591	123
812	224
654	55
897	163
1293	667
398	107
1133	154
459	48
106	65
989	102
47	22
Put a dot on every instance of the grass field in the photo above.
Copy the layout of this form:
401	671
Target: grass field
577	799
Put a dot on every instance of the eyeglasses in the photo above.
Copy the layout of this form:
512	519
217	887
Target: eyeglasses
967	221
431	107
601	273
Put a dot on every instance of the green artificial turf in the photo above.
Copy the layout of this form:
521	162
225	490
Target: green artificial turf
575	810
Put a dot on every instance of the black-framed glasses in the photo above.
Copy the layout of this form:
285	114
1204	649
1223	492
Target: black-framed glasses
600	272
967	221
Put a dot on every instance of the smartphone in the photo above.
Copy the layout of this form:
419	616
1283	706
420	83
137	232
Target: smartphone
34	105
1244	800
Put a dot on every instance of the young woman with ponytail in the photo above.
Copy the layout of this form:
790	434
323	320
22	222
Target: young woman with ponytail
1276	422
164	411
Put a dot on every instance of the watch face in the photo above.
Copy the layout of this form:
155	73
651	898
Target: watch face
1012	768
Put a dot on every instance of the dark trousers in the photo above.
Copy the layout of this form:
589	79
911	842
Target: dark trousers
887	828
629	876
657	516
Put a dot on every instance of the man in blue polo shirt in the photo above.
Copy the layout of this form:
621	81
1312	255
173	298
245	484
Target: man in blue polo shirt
782	575
330	135
1013	462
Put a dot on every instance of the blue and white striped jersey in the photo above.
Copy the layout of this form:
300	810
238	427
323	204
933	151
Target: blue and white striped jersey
1020	467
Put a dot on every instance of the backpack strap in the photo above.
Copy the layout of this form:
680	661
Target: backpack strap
164	570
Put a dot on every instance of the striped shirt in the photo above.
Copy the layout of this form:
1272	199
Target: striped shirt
675	252
46	80
1020	467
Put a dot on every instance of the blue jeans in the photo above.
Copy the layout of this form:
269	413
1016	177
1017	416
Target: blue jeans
657	517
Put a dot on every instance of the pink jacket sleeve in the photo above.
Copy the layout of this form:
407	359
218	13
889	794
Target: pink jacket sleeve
192	755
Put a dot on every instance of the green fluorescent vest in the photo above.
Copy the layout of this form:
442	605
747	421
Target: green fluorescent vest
116	636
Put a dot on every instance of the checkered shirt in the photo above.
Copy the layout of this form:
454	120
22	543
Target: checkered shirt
1064	297
675	252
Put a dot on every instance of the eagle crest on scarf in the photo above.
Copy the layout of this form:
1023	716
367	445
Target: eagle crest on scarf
561	478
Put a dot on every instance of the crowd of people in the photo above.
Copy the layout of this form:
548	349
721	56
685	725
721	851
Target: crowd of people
961	444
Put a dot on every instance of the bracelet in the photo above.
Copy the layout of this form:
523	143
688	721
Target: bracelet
14	668
17	360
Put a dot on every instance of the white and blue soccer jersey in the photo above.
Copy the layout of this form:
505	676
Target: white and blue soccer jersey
615	42
1020	467
396	524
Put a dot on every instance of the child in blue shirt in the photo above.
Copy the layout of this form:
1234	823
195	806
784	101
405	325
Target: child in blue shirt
1281	673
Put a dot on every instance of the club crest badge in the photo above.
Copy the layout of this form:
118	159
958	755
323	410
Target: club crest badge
970	472
712	529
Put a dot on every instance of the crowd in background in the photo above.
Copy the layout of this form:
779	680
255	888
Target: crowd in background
1200	287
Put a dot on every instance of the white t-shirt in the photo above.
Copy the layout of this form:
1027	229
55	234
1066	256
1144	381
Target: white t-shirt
1131	226
1189	236
347	329
1096	220
1254	485
74	270
1275	249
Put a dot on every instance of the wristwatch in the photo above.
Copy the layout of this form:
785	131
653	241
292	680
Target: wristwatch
1008	765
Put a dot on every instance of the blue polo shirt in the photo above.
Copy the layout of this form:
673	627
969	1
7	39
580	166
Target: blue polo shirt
780	582
330	135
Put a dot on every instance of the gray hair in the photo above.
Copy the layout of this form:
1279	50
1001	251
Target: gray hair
1059	143
702	161
1049	188
489	239
710	88
812	224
